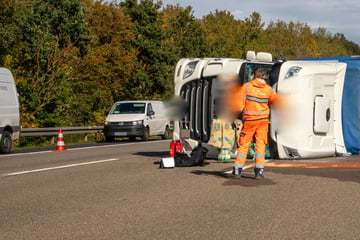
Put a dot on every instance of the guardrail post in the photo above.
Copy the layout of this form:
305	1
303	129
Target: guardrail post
99	136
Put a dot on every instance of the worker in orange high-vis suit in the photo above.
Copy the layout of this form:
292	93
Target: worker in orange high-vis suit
253	98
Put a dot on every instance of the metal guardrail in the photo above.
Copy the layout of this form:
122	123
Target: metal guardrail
28	132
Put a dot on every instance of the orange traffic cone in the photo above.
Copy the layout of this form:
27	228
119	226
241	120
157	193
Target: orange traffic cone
60	143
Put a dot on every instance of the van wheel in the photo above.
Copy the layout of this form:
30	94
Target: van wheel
109	138
146	134
166	133
6	142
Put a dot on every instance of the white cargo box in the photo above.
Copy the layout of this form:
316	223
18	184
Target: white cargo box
167	162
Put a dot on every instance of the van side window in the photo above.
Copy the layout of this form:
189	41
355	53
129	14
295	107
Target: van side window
149	109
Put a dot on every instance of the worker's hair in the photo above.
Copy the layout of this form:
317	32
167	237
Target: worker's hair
260	73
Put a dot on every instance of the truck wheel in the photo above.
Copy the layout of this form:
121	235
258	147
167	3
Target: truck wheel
146	134
166	133
6	142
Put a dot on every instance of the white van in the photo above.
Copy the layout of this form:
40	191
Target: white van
137	119
9	111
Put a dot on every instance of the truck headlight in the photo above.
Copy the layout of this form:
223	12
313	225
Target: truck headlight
293	72
189	69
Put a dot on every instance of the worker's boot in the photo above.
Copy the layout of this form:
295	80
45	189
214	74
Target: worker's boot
259	172
236	172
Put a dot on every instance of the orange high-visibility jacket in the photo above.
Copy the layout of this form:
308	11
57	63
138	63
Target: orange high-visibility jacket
254	97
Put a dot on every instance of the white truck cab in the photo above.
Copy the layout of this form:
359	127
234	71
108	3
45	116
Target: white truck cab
9	111
196	81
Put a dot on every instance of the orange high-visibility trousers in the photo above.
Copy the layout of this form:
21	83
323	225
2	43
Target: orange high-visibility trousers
260	129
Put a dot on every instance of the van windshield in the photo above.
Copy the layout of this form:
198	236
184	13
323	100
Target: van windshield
128	108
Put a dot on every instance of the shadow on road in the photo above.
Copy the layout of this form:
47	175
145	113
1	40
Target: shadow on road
341	174
213	173
153	154
246	180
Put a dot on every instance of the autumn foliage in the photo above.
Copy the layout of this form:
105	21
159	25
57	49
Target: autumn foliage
72	59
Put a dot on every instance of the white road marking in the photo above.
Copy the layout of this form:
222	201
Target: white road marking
60	167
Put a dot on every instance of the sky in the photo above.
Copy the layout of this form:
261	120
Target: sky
337	16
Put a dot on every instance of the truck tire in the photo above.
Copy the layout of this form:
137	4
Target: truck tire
146	134
6	142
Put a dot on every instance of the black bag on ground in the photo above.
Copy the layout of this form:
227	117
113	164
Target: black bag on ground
197	158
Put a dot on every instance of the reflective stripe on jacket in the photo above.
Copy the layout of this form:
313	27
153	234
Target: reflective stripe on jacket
254	97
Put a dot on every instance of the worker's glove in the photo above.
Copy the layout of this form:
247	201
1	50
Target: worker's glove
238	124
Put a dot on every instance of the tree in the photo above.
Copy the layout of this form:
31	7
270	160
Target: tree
102	75
53	35
288	39
184	32
225	34
12	15
153	74
72	59
7	28
254	32
351	47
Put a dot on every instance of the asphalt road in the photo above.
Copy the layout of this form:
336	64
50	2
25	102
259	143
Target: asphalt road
117	192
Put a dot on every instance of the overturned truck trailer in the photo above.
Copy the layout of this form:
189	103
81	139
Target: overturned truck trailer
322	117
